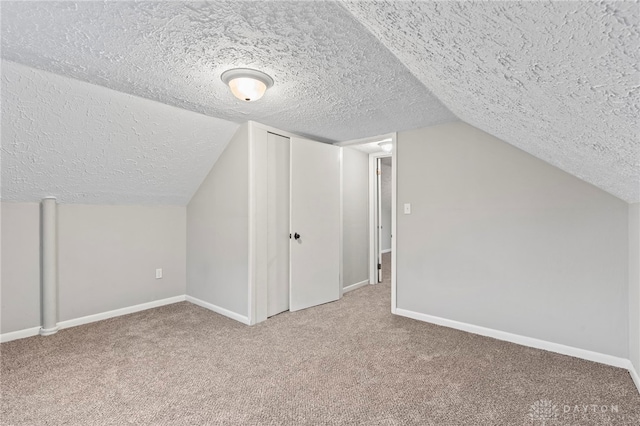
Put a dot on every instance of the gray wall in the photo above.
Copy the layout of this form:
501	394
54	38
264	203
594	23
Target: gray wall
355	216
107	256
500	239
634	285
386	203
218	231
20	286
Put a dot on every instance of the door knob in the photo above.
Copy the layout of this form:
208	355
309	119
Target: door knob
296	236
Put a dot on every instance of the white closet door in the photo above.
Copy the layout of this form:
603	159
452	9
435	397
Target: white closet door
315	224
278	189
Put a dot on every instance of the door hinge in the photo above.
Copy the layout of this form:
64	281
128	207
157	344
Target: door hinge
379	265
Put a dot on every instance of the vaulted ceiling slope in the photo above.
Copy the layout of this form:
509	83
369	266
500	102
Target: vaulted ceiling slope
333	79
559	80
86	144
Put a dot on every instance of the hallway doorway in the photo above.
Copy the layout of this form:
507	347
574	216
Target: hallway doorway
382	207
380	213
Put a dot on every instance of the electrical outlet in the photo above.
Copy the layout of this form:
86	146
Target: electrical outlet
158	273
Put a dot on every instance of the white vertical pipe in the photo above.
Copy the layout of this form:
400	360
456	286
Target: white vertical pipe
49	267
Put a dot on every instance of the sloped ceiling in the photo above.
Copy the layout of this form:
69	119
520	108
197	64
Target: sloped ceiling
86	144
559	80
333	79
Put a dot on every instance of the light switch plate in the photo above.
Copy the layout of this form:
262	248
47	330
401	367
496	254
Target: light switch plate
407	208
158	273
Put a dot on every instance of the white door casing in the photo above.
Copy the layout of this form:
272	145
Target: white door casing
278	191
379	217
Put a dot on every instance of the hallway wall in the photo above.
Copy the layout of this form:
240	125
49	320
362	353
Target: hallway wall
355	217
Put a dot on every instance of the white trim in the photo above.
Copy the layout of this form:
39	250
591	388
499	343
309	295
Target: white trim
341	248
217	309
49	331
20	334
634	375
373	258
119	312
251	226
520	340
373	209
34	331
385	251
269	129
394	219
355	286
378	218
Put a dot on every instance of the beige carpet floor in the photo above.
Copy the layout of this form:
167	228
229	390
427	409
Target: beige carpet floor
345	363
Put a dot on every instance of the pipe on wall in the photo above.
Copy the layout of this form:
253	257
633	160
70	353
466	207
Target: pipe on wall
49	267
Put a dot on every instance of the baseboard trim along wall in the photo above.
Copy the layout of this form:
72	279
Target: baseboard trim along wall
34	331
355	286
521	340
634	376
20	334
119	312
217	309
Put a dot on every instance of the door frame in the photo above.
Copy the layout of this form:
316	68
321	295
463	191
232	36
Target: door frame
257	274
372	187
373	214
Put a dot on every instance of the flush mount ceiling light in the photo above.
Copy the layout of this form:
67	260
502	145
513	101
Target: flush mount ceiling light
247	84
386	145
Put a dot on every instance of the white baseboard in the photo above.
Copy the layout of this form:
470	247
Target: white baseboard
355	286
385	251
521	340
34	331
20	334
634	376
217	309
119	312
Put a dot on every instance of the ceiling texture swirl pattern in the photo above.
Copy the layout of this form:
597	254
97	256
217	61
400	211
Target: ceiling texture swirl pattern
558	80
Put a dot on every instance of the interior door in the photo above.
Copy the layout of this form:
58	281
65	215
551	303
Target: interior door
315	224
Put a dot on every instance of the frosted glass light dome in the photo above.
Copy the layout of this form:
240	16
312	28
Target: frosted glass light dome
247	84
386	146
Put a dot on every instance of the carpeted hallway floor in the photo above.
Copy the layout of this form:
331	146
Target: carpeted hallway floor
348	362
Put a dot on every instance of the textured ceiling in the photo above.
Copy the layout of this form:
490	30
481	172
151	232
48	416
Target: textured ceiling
559	80
86	144
333	79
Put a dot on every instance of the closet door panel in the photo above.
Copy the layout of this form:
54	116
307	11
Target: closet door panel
315	224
